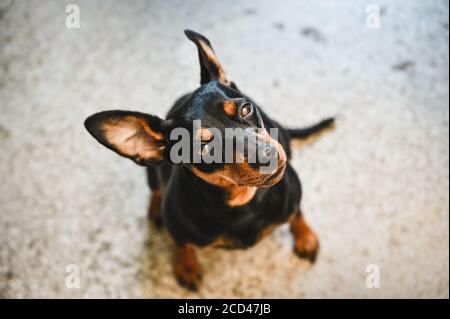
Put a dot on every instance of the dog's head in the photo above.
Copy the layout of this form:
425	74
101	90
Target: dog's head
217	132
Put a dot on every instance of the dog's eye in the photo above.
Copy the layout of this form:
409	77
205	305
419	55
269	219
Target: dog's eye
246	110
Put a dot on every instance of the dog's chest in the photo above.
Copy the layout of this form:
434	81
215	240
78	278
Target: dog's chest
193	217
247	226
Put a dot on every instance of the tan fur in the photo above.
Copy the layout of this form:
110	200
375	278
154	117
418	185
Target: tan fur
211	56
204	134
224	242
227	242
237	195
132	136
306	242
230	108
187	269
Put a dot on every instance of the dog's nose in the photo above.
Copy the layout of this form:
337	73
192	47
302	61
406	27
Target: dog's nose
269	150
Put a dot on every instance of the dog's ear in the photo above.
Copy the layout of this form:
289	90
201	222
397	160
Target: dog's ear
210	67
137	136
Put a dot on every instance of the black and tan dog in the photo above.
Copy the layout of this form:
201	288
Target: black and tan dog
231	205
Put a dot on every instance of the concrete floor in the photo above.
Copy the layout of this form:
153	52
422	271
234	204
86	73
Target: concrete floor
375	189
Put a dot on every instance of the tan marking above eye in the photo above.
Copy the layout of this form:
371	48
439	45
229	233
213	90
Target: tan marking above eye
229	107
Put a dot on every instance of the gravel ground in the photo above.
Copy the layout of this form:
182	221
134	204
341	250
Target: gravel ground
375	189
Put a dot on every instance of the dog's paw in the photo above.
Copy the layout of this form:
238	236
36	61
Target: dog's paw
187	269
307	246
189	276
306	242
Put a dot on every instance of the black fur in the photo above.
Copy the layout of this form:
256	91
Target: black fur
193	210
304	133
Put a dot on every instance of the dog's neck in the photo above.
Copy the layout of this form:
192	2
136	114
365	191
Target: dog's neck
235	195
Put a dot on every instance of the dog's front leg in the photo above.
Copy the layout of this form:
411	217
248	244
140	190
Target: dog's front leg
306	242
187	269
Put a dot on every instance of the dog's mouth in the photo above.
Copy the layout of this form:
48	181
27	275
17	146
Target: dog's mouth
224	178
275	177
263	180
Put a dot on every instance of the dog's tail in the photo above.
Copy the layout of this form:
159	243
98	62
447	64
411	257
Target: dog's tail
312	131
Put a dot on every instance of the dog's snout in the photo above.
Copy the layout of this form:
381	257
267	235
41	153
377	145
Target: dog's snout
269	150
